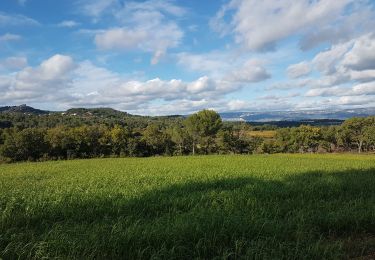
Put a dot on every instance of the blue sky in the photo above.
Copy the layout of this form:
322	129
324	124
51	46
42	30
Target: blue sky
166	57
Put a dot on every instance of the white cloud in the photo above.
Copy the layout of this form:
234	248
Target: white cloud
337	91
251	71
94	8
156	39
298	70
327	92
206	62
343	76
43	82
291	84
353	60
201	85
16	20
183	106
10	37
260	25
362	55
256	105
225	66
342	66
68	24
60	79
353	101
119	38
13	63
51	75
326	61
363	75
365	89
238	105
145	26
279	97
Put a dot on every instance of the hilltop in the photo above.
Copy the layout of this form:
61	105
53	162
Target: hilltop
24	109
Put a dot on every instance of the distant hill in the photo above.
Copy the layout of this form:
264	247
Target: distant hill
24	109
99	112
298	115
279	118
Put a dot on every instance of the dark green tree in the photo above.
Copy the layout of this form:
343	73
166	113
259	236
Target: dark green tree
203	127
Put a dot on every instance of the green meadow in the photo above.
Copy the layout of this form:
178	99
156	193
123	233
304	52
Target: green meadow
257	207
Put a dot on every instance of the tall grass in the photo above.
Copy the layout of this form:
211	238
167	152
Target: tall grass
258	207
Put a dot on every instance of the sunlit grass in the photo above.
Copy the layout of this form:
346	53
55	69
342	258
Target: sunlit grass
276	206
262	134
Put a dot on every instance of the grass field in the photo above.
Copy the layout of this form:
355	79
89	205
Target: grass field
258	207
262	134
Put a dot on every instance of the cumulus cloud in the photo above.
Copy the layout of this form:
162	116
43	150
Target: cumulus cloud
353	101
238	105
351	63
47	79
362	55
61	79
146	26
251	71
363	75
298	70
364	88
353	60
260	25
154	38
206	62
259	105
326	61
226	66
327	92
342	76
13	63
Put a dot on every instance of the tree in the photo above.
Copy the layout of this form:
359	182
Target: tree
192	125
178	136
329	140
61	141
27	144
369	137
308	137
353	131
202	127
119	137
230	141
156	139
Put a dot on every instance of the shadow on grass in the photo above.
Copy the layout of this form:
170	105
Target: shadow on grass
312	215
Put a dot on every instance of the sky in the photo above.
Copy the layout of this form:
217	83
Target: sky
160	57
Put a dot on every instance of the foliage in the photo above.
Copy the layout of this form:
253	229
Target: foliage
202	128
200	133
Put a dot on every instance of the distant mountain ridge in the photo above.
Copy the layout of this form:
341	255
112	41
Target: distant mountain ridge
298	115
23	109
259	117
101	111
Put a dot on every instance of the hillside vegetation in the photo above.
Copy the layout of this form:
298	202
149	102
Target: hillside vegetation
90	133
257	207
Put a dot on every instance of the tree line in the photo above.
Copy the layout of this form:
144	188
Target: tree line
201	133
